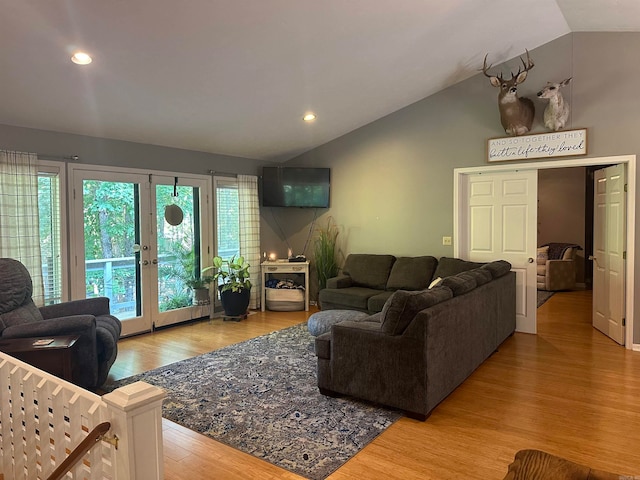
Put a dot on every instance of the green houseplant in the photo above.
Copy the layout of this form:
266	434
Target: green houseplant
200	286
234	284
324	253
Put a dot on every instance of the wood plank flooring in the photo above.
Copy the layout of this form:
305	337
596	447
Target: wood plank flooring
568	390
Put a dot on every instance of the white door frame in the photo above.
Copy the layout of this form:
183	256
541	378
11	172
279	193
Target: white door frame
147	321
629	160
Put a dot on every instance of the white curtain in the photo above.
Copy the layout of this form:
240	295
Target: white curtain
19	221
249	213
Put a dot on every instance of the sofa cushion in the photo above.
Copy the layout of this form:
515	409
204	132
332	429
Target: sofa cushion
376	302
481	275
351	297
452	266
368	270
460	284
542	255
404	305
498	268
411	273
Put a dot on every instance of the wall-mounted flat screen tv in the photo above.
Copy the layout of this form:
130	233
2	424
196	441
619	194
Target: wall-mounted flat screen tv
296	187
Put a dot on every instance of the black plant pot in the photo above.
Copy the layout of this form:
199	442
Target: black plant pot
235	304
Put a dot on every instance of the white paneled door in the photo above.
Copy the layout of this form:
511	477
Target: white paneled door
501	216
608	252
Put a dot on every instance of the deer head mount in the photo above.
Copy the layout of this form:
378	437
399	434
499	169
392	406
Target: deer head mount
557	112
516	113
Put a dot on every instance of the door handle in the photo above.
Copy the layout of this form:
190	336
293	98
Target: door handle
154	261
530	260
144	262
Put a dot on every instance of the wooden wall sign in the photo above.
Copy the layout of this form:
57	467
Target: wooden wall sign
543	145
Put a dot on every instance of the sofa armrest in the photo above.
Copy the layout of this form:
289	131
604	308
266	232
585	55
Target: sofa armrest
86	306
369	364
341	281
560	275
74	325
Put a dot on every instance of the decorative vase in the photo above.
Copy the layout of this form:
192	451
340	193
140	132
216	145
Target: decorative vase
235	304
201	296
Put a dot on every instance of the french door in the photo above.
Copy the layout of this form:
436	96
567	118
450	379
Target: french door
499	212
608	252
127	245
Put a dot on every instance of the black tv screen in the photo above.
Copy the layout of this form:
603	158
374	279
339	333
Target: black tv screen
295	187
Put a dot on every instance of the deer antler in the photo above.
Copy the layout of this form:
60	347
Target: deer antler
485	68
527	66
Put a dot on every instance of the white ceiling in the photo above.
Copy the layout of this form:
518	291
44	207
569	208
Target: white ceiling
235	76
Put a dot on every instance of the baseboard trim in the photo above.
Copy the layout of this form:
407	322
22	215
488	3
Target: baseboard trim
636	347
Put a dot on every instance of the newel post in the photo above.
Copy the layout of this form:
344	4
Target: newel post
136	418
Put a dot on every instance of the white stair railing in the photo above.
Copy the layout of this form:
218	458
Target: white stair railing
43	418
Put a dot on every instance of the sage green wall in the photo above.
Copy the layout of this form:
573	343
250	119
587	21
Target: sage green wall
101	151
392	180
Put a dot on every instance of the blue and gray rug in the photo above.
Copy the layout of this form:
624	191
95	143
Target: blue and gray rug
261	397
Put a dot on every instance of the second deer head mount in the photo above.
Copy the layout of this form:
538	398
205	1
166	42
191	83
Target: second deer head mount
557	112
516	113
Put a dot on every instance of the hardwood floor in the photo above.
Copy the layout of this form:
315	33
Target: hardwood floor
568	390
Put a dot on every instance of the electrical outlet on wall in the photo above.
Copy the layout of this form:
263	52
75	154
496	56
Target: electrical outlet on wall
446	240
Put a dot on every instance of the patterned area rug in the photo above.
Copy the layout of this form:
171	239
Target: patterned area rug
543	296
261	397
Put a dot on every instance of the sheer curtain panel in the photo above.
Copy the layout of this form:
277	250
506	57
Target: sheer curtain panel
19	224
249	213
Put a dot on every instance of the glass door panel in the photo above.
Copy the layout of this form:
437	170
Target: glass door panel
127	250
181	248
111	233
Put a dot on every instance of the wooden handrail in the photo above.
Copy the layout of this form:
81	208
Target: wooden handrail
83	447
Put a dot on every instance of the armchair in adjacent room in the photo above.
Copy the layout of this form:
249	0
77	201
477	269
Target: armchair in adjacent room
90	319
556	266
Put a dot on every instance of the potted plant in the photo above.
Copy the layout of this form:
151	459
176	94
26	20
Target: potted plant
200	286
234	285
324	253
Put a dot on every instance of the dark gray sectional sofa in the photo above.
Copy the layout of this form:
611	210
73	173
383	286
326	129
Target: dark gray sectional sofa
423	343
368	280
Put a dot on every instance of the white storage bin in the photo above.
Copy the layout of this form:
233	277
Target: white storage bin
284	299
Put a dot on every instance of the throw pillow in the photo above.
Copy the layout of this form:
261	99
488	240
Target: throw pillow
411	273
435	283
542	255
402	307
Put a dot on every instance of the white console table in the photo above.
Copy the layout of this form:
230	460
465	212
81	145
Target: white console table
284	267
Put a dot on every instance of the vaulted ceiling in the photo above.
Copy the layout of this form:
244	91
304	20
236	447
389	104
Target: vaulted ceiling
236	76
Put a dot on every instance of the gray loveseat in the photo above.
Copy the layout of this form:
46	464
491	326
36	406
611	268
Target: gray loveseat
368	280
423	344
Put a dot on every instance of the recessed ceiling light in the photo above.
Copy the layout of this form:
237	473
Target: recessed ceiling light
309	117
81	58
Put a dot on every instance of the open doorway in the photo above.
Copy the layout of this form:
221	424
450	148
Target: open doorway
462	219
563	209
